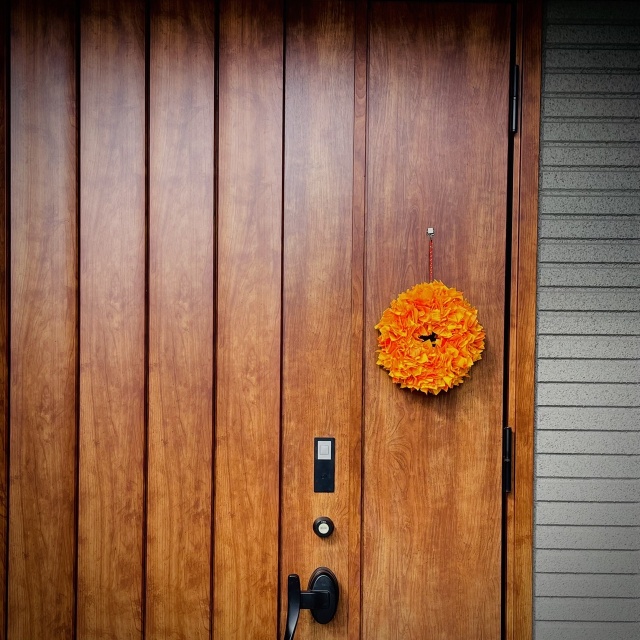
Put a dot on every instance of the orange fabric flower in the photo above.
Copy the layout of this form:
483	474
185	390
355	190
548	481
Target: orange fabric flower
429	338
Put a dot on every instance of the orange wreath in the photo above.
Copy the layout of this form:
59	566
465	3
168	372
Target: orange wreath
429	338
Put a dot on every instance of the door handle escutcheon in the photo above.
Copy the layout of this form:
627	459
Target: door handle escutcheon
321	598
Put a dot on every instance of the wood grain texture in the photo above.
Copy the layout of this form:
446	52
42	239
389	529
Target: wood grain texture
437	156
112	319
43	320
248	321
4	326
509	502
520	593
181	199
354	599
318	213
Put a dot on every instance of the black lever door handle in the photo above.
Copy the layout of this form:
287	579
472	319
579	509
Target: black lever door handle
293	605
321	598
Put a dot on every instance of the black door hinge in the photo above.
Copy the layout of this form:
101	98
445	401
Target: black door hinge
507	459
515	90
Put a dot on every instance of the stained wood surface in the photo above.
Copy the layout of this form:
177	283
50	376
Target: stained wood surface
43	321
248	321
4	328
112	319
318	186
230	503
181	116
357	318
522	382
437	157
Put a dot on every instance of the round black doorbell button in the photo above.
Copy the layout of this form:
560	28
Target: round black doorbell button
323	527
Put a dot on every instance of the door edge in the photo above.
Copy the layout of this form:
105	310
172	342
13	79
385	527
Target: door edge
518	606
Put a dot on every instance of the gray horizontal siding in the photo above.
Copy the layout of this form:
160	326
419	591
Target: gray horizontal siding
588	394
593	83
591	107
591	586
588	299
587	155
590	227
595	370
603	347
588	537
581	418
578	323
594	35
589	204
579	179
598	275
597	131
602	442
587	631
587	464
614	514
592	59
598	251
599	609
588	490
598	12
587	561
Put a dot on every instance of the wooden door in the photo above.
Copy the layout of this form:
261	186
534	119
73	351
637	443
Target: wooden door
432	468
432	82
210	206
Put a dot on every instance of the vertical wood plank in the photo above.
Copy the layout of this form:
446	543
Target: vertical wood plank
510	577
520	595
437	157
181	179
318	229
354	602
43	320
112	318
509	514
4	327
249	320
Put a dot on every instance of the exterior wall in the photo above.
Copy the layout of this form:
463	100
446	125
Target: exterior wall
587	531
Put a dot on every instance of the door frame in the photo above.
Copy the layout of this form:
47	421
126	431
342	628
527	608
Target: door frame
518	605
